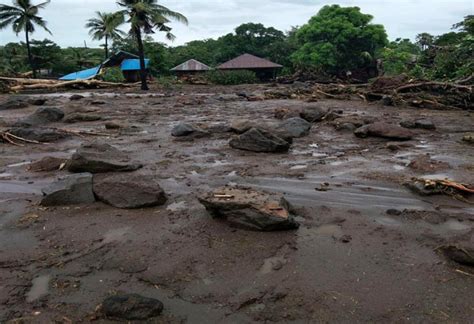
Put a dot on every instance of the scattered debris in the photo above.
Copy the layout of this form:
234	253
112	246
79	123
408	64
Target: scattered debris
251	209
428	187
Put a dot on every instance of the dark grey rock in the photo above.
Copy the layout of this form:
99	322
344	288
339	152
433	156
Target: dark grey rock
185	129
76	97
129	191
313	114
131	307
250	209
43	135
384	130
100	158
346	127
258	140
37	101
419	123
80	117
71	190
294	128
15	103
459	254
41	116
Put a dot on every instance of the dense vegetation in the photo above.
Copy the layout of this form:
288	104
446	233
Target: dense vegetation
335	41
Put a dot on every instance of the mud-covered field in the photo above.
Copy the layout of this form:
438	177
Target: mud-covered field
366	250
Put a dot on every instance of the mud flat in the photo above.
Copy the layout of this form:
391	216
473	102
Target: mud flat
367	248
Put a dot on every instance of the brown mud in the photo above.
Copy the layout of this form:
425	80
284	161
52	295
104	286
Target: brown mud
350	261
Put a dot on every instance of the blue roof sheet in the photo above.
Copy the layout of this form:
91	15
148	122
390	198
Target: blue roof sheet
82	75
133	64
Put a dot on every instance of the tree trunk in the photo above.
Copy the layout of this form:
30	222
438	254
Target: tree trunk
30	57
141	53
106	47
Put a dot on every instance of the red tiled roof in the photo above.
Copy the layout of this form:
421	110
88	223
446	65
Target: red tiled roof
191	65
248	61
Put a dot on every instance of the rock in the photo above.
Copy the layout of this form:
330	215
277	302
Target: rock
37	101
79	117
258	140
346	127
396	146
219	129
294	128
185	129
131	307
71	190
285	113
250	209
41	116
13	104
129	191
419	123
424	163
419	187
76	97
43	135
98	102
100	158
387	100
46	164
461	255
394	212
468	138
313	114
384	130
241	126
114	125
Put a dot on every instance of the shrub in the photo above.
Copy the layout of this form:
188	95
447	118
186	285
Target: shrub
113	74
232	77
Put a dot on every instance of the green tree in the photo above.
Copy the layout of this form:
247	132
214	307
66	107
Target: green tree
23	16
146	16
338	39
105	26
424	40
400	56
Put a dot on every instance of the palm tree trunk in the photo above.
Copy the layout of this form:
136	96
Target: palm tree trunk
30	57
141	53
106	47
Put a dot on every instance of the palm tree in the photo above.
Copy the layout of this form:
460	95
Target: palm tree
105	26
23	16
146	16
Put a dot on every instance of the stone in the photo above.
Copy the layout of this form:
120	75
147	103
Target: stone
241	126
48	163
396	146
458	254
43	135
129	191
285	113
258	140
185	129
76	97
13	104
132	307
424	163
219	129
250	209
313	114
294	128
113	125
100	158
70	190
346	127
419	123
37	101
80	117
468	138
41	116
384	130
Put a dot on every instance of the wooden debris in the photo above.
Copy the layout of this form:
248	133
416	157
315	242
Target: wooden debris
15	140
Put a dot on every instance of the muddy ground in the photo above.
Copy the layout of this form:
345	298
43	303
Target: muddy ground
349	261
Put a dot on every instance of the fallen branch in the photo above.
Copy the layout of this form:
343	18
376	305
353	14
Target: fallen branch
434	84
10	138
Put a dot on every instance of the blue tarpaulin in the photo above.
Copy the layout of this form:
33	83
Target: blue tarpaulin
133	64
82	75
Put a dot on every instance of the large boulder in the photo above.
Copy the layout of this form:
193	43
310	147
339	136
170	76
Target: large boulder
131	307
313	114
185	129
71	190
100	158
293	128
42	116
384	130
43	135
259	140
250	209
129	191
80	117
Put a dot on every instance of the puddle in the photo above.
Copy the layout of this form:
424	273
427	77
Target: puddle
39	288
177	206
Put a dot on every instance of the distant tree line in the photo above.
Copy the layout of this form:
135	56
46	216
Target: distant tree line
337	41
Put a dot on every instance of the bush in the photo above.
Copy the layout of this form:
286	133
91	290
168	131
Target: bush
113	75
232	77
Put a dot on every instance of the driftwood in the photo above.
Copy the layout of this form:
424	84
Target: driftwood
15	140
433	84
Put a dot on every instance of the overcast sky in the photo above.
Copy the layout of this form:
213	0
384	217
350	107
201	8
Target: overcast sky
213	18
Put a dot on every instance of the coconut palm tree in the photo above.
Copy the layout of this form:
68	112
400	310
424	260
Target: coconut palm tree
105	26
23	16
146	16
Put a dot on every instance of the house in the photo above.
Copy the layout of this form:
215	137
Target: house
190	67
264	69
129	64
